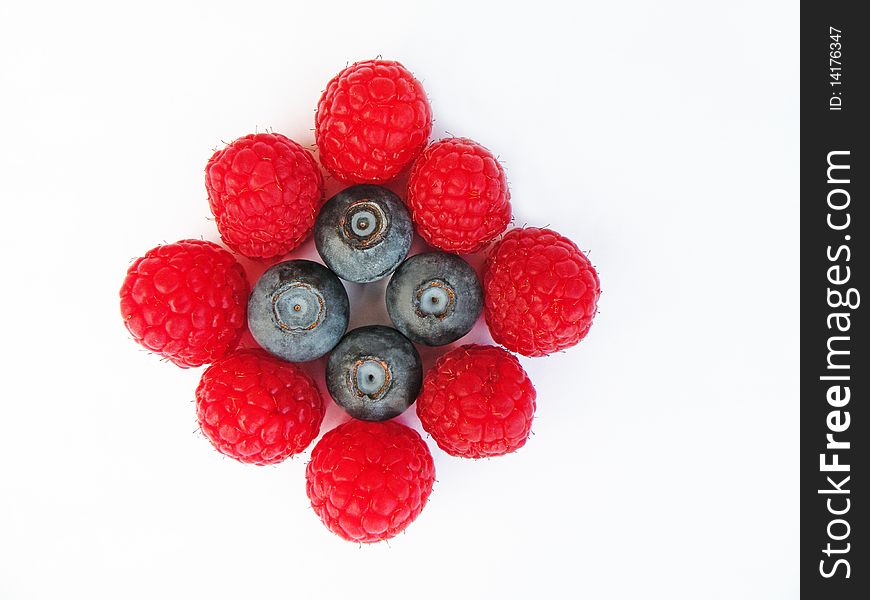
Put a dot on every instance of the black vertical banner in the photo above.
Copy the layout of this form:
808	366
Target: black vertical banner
835	366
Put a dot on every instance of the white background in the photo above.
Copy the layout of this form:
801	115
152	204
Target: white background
660	136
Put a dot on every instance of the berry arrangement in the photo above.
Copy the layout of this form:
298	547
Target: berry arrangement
190	302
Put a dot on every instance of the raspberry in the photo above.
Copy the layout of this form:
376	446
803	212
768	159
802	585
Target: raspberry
372	120
186	301
258	409
477	401
540	292
264	191
368	480
458	196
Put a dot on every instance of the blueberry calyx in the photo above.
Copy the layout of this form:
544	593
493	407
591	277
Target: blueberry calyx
370	378
435	298
298	307
364	224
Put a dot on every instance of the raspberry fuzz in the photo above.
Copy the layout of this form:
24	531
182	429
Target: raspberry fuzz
367	480
264	191
541	292
372	120
186	301
477	401
258	409
458	196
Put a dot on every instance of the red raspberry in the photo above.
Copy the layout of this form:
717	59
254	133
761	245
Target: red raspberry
264	191
541	292
477	401
186	301
458	196
368	480
258	409
372	120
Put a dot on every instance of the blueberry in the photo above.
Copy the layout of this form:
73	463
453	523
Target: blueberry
374	373
434	298
363	233
298	310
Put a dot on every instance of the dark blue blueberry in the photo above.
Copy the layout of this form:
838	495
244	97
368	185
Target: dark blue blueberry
374	373
363	233
434	298
298	310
